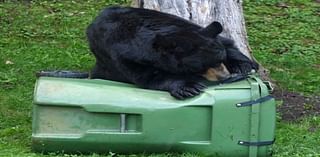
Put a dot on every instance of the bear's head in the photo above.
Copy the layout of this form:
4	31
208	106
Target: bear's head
194	51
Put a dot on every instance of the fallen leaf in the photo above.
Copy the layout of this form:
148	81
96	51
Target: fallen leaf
9	62
317	66
282	5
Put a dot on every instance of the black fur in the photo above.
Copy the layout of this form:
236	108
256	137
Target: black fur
156	50
236	61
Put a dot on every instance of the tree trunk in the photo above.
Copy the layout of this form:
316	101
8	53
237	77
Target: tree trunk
202	12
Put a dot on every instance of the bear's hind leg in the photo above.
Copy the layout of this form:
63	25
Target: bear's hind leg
97	72
107	72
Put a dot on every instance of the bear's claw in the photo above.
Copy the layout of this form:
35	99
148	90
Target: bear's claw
187	90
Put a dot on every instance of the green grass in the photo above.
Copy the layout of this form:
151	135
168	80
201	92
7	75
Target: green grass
286	41
299	139
51	35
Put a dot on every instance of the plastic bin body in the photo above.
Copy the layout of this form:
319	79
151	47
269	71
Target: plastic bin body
80	115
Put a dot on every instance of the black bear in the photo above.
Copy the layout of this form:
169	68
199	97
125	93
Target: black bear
160	51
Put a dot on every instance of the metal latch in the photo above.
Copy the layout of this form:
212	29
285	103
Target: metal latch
260	143
252	102
269	86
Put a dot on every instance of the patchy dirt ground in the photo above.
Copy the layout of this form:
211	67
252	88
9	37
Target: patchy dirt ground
296	105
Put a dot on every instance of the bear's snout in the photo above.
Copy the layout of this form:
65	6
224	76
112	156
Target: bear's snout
217	73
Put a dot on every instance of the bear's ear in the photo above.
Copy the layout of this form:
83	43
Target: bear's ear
213	29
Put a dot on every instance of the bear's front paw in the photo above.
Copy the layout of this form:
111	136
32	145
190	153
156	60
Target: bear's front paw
182	90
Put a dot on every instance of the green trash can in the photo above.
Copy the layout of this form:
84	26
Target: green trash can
83	115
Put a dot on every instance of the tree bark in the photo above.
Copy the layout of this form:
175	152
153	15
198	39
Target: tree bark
202	12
